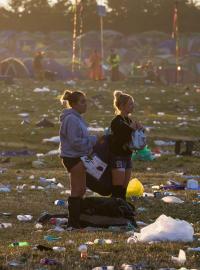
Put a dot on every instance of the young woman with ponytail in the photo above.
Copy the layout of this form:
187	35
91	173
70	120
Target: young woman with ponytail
75	142
122	127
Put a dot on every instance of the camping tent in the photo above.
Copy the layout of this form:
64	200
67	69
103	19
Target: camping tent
14	67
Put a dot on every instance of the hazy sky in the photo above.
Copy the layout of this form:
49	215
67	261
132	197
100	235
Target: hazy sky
4	2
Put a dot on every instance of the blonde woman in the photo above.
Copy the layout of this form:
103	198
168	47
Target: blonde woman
122	127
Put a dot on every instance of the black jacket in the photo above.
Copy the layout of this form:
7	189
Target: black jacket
120	136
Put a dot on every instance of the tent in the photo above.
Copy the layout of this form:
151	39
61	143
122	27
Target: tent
14	67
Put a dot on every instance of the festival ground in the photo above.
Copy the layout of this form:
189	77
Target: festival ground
165	110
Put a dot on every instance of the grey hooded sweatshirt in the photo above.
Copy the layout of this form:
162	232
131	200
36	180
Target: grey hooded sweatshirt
75	140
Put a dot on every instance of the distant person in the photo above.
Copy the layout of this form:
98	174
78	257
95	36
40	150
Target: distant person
122	127
114	61
38	68
96	72
75	142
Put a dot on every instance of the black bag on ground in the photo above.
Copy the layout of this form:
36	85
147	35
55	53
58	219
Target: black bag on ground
105	212
100	212
102	186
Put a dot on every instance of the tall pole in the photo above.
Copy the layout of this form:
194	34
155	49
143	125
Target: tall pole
74	37
175	35
102	41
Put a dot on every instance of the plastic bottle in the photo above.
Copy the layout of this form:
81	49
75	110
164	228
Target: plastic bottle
61	203
83	250
58	221
99	241
51	238
192	184
19	244
59	249
24	217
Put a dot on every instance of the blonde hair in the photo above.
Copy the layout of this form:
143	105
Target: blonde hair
69	98
120	99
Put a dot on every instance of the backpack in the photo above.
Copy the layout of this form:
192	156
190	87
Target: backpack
103	185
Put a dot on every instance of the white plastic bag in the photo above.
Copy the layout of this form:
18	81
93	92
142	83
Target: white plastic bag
167	229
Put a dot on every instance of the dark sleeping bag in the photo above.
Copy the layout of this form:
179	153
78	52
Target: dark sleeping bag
105	212
104	184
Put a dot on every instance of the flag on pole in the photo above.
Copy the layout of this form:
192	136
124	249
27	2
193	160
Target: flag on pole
101	7
175	21
101	10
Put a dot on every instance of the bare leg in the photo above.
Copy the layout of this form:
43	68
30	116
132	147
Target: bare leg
78	187
127	177
118	177
78	180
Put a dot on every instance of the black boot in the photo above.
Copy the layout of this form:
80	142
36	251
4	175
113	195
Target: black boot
74	212
118	191
124	193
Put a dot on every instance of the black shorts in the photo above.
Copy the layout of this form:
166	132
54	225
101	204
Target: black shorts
69	162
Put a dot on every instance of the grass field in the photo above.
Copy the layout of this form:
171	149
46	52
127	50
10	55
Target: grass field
167	111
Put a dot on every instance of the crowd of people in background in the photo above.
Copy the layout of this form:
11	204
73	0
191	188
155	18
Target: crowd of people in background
98	71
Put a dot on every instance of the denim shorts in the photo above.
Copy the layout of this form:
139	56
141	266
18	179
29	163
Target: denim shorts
69	163
120	162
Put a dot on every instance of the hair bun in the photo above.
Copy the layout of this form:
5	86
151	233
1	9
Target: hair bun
117	93
66	95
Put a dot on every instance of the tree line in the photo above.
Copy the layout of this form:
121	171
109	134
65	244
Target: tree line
126	16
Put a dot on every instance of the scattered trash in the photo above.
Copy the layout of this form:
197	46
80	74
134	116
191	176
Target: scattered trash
55	139
5	188
58	221
83	250
44	123
103	241
51	238
24	218
192	184
19	244
164	143
37	164
59	249
166	229
42	248
47	261
5	225
194	249
16	263
41	90
172	199
144	154
61	203
135	188
132	240
181	259
38	226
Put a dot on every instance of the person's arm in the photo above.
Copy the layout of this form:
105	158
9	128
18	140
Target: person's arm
75	138
118	126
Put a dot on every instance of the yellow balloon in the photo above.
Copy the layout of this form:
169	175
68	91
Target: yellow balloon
135	188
